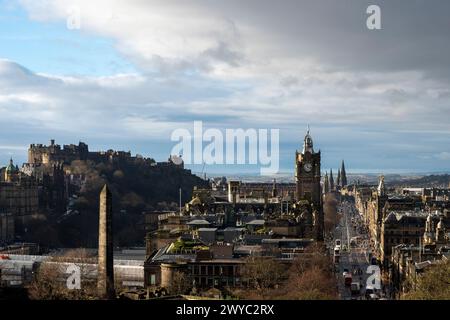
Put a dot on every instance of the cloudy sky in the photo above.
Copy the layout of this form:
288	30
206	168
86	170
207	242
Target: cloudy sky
136	70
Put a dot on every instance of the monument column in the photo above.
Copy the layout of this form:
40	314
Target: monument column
105	280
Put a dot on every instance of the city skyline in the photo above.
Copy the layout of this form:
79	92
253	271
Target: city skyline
380	110
230	157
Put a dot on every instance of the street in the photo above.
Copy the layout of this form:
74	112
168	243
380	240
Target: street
353	254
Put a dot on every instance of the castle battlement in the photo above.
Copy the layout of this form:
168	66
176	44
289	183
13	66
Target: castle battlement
39	154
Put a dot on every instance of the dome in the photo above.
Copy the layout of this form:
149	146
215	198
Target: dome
11	168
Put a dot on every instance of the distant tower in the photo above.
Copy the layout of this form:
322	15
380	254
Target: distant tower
307	172
381	187
105	281
307	179
11	171
326	184
338	181
331	180
428	236
274	189
440	232
343	175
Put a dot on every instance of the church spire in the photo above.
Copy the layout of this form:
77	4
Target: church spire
338	181
331	180
326	184
343	175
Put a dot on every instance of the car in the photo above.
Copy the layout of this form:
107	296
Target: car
374	296
355	287
348	279
370	290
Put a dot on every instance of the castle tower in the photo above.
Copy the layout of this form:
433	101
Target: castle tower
105	281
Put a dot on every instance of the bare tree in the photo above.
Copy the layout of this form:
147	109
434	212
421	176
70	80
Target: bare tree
262	273
50	280
330	212
180	283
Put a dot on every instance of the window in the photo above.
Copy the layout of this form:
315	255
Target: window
217	270
153	279
210	270
203	270
196	271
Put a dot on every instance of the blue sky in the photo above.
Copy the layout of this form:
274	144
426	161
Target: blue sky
54	49
135	71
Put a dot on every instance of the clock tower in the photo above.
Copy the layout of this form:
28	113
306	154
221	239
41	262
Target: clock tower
307	173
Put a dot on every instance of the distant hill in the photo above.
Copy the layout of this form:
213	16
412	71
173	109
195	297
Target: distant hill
429	181
403	180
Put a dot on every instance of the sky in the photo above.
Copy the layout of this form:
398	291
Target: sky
135	71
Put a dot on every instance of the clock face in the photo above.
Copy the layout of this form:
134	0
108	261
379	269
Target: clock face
307	167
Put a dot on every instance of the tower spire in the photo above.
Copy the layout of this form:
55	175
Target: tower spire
308	142
331	180
326	184
343	175
338	181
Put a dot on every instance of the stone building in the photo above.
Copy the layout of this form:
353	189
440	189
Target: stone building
19	194
409	261
395	219
407	228
7	227
54	153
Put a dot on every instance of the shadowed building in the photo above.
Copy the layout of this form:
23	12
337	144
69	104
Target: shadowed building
105	281
19	194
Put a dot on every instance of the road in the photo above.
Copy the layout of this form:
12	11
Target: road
353	257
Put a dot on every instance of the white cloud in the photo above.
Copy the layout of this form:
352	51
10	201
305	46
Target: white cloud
240	64
444	156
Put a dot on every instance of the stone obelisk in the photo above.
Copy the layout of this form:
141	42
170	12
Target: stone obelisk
105	281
